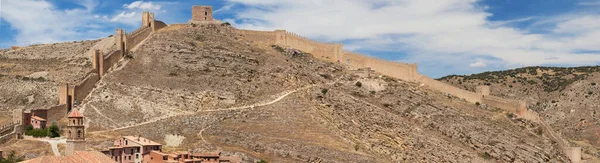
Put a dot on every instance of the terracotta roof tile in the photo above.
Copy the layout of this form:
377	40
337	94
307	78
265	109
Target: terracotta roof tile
142	141
78	156
38	118
75	114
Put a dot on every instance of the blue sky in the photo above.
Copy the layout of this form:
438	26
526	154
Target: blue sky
443	36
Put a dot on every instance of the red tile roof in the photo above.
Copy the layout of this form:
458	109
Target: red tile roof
38	118
141	140
78	156
75	114
207	154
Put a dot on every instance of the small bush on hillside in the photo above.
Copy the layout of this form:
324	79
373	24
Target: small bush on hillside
539	131
358	84
226	24
262	161
324	91
593	84
477	103
172	74
356	147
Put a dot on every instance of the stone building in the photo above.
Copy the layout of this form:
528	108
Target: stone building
75	133
186	157
38	122
132	149
203	15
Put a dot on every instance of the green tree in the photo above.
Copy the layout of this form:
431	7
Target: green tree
54	130
28	128
262	161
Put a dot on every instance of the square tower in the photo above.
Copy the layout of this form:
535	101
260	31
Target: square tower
202	13
75	133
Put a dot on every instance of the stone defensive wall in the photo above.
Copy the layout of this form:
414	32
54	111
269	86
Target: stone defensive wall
135	37
504	104
7	128
450	89
403	71
326	51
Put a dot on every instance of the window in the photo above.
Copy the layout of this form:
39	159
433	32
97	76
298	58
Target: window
78	133
204	18
205	13
126	142
137	156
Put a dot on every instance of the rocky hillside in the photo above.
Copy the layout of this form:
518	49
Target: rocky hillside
29	76
208	88
566	97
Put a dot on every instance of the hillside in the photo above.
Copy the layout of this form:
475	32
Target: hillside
29	76
215	90
566	97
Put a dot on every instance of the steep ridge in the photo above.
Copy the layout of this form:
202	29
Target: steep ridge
565	97
220	91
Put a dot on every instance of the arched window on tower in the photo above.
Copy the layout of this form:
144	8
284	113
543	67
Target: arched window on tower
205	13
78	133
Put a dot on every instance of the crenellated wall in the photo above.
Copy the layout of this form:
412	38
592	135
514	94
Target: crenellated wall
137	36
397	70
326	51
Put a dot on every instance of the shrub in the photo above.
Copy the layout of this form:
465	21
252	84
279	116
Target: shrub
172	74
590	93
28	128
510	115
486	156
477	103
593	84
262	161
358	84
54	131
539	131
324	91
356	147
226	24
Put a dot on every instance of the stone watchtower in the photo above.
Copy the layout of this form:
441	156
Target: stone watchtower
75	133
202	13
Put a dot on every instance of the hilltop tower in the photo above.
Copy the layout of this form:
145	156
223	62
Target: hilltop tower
147	19
203	15
75	133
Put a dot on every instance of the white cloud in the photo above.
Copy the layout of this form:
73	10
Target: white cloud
41	22
478	64
224	8
142	5
431	31
123	15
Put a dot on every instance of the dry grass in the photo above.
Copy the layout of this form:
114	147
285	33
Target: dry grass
22	147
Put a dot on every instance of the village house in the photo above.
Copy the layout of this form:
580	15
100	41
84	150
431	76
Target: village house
186	157
38	122
132	149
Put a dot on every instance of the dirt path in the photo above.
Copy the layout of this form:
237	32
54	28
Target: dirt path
284	94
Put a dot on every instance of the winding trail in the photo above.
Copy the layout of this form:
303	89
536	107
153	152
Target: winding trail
279	98
200	134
